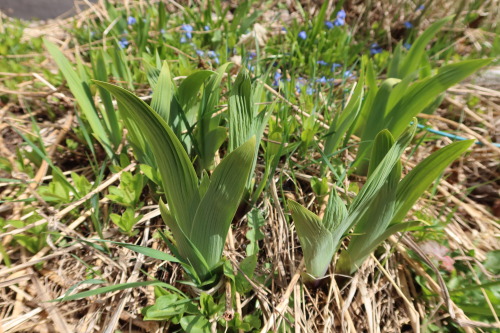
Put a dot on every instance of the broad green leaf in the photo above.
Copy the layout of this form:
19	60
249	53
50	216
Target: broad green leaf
417	50
195	324
163	95
345	120
190	86
352	258
167	306
178	175
109	116
316	241
241	111
422	176
217	208
425	91
335	212
80	89
376	118
187	250
213	140
378	216
378	178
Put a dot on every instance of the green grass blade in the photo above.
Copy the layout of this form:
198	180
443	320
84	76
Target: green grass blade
80	89
346	119
117	287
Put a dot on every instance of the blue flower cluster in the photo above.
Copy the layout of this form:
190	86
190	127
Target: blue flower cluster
339	20
123	43
408	25
302	35
188	29
375	49
131	20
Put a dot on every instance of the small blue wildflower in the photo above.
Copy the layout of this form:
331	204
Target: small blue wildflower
251	55
322	63
421	7
188	29
183	39
162	31
302	35
340	20
251	68
408	25
310	90
407	46
211	54
216	60
206	28
200	53
123	43
335	66
375	48
283	29
348	74
329	24
277	77
131	20
322	80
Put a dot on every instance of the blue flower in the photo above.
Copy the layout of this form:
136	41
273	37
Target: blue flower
123	43
200	53
322	62
283	29
421	7
302	34
408	25
340	20
277	77
329	24
183	39
188	29
310	90
251	68
348	74
162	31
131	20
216	60
407	46
322	80
206	28
335	66
375	48
251	55
211	54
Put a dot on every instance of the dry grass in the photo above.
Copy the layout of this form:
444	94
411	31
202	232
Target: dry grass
381	297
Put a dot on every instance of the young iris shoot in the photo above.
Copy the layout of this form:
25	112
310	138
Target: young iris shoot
199	211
